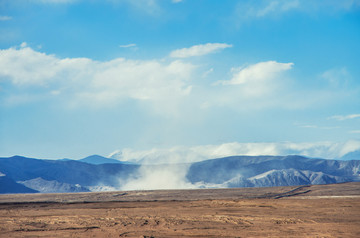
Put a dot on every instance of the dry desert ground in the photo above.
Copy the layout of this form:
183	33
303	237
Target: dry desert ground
303	211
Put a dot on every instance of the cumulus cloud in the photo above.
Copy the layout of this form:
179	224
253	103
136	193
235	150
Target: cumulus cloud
258	73
92	81
164	87
25	66
257	79
199	50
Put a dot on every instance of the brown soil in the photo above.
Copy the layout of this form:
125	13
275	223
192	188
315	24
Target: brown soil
305	211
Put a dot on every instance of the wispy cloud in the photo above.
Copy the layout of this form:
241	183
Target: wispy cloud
53	1
199	50
344	117
149	7
247	10
182	154
355	132
252	10
206	73
309	126
274	7
337	78
127	46
5	18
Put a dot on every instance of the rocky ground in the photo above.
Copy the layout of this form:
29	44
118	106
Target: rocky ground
305	211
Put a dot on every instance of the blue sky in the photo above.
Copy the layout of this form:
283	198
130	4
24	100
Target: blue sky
90	77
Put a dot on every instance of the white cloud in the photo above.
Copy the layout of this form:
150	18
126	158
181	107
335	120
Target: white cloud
206	73
25	66
275	6
258	73
265	85
140	80
345	117
309	126
93	82
176	1
150	7
333	5
53	1
322	127
336	78
257	79
355	132
316	126
250	10
5	18
182	154
247	10
198	50
166	87
127	46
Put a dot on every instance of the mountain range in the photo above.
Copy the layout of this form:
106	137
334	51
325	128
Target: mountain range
265	171
96	173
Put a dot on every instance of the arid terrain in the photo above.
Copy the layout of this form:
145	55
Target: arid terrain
305	211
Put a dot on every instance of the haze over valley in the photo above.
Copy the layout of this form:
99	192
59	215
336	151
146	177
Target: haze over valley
178	169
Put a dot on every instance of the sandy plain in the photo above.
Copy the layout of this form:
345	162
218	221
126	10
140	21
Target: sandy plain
303	211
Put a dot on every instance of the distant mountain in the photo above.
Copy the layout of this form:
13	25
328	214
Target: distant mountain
25	175
260	171
284	177
7	185
97	159
45	186
355	155
70	172
65	159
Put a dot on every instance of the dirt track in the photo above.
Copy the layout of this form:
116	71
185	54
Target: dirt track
187	213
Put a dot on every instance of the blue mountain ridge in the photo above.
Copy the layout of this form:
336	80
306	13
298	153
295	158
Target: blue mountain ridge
27	175
70	172
98	159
